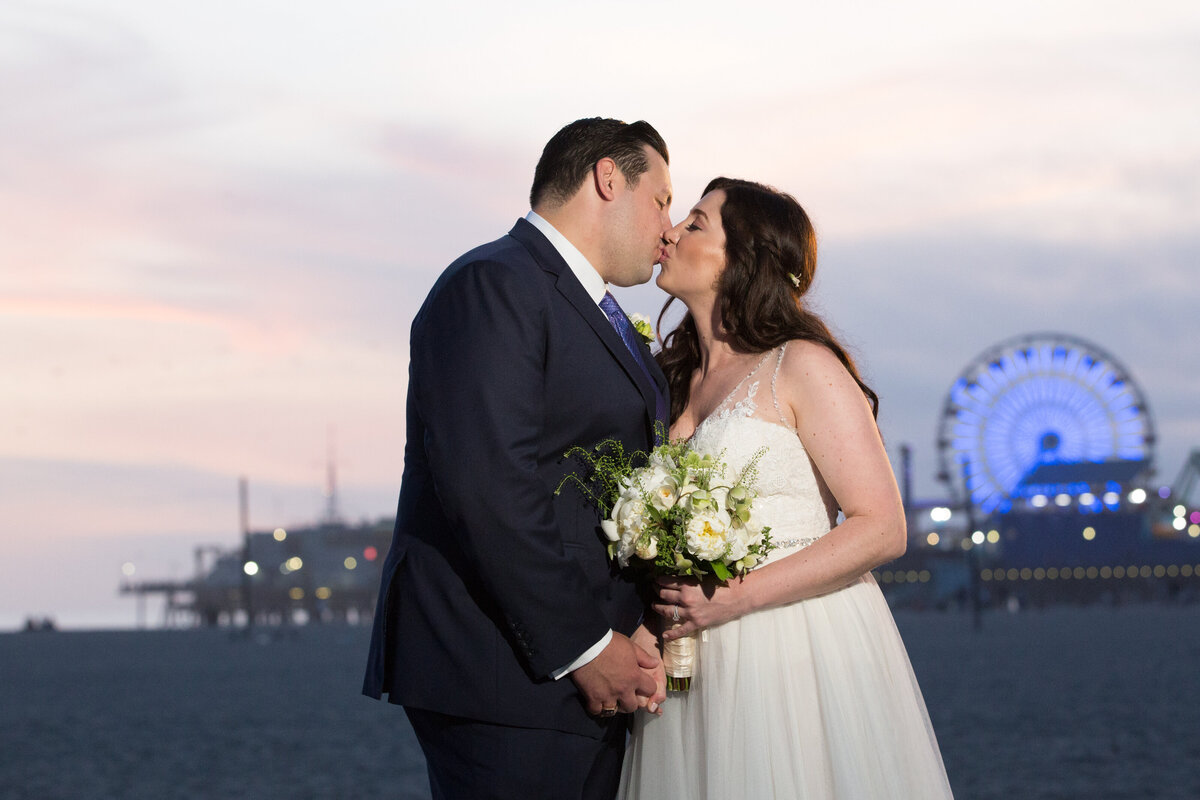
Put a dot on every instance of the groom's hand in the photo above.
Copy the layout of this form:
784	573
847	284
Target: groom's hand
616	678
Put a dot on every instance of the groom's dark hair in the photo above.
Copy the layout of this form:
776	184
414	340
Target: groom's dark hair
570	155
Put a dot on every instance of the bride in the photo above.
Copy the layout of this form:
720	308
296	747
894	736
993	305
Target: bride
803	687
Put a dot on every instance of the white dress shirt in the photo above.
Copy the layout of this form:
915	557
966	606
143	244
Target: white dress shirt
594	285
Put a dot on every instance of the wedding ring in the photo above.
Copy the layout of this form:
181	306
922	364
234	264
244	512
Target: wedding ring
608	712
675	613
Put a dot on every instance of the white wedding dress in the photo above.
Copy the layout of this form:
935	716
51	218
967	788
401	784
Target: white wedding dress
815	699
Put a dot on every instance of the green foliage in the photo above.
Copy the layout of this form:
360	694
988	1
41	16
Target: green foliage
605	465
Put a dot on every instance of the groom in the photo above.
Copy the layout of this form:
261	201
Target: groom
502	627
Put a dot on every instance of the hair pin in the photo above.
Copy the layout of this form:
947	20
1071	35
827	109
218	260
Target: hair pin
795	280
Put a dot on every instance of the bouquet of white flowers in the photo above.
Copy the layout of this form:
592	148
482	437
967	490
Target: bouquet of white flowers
679	513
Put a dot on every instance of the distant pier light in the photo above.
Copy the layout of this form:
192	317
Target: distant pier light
127	569
940	514
280	534
250	568
1137	496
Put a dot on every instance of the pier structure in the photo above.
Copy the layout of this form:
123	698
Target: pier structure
329	572
1046	452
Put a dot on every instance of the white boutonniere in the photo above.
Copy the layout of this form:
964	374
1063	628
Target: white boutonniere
645	328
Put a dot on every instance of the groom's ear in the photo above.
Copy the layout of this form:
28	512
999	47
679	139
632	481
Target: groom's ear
605	177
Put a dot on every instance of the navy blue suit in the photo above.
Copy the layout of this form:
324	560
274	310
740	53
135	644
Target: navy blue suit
492	582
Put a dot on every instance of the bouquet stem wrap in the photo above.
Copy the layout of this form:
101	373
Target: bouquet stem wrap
679	657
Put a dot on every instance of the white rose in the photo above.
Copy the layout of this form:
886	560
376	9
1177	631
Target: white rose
708	534
664	493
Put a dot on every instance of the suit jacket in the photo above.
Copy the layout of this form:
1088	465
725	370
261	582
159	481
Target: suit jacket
492	582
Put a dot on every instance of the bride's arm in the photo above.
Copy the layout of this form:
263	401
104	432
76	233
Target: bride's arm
834	422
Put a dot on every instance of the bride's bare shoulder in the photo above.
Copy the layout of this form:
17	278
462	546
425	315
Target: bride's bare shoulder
803	358
811	370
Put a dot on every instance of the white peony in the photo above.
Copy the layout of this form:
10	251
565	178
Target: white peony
708	534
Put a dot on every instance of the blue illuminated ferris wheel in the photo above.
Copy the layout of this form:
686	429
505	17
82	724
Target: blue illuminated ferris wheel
1042	414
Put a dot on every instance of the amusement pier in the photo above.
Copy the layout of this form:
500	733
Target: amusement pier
1051	494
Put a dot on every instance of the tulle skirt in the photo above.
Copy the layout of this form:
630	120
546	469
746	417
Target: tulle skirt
816	699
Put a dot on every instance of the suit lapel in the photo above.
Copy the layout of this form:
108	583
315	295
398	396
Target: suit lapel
572	290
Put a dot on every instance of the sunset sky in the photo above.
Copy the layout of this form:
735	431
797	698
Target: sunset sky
217	220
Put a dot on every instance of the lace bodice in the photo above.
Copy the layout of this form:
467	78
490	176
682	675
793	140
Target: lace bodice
793	499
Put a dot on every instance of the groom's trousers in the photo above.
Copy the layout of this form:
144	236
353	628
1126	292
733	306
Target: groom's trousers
479	760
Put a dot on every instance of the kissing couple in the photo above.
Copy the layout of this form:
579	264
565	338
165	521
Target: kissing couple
528	665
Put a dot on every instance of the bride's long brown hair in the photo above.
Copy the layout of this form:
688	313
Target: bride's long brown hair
769	240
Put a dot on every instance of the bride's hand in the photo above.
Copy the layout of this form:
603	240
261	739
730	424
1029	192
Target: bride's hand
687	606
649	642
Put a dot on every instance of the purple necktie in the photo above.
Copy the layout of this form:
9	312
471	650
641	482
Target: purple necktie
625	329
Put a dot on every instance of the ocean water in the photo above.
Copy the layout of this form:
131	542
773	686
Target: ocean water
1063	703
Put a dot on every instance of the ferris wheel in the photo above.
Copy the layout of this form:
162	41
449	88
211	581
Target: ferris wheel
1037	404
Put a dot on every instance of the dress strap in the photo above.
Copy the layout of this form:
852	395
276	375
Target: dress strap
774	379
752	389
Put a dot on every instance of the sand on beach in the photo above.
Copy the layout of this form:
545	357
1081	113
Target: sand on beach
1094	702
